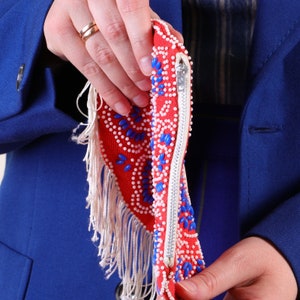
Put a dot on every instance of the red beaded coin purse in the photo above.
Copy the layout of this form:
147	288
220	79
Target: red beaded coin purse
140	210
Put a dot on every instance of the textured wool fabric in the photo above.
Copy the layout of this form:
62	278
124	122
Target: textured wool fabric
140	208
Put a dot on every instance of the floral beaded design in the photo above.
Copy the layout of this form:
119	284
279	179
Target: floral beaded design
125	148
177	252
144	152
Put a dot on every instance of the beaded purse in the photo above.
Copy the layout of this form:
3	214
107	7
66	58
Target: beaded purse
140	209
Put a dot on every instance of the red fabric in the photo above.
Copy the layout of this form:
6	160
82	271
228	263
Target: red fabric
139	150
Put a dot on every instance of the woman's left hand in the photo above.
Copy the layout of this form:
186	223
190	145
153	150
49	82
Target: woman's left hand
251	269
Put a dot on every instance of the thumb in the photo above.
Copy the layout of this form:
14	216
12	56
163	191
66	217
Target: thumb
231	269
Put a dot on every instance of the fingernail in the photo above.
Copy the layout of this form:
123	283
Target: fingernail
189	286
122	108
141	100
145	64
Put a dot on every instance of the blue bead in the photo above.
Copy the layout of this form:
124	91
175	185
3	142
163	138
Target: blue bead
187	267
137	137
146	186
149	199
132	135
161	156
192	226
122	156
134	113
154	62
159	187
184	222
118	116
148	168
127	168
136	109
183	209
129	132
152	144
138	119
143	135
177	277
158	65
167	139
160	168
124	124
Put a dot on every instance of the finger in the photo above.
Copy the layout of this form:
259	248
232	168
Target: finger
137	20
232	269
105	58
63	38
112	27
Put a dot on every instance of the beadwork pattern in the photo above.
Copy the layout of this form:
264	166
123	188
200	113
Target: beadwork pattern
188	258
139	150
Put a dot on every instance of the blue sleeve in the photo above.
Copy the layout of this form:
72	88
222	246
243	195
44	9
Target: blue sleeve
31	110
272	158
281	228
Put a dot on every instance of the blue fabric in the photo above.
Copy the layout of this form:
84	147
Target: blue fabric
15	268
21	110
43	217
42	208
212	170
270	139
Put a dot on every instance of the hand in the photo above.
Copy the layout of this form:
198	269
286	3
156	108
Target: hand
116	59
252	269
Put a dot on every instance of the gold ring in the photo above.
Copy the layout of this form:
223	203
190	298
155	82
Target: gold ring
88	30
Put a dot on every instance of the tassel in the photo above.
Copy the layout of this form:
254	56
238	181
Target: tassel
124	244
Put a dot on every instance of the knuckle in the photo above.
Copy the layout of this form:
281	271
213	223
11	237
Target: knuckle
131	6
103	56
237	258
90	69
128	89
134	73
110	95
116	31
138	42
210	280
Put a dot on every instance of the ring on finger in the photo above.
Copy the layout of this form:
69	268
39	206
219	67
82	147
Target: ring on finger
88	30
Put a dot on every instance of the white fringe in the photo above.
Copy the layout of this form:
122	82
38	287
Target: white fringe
124	244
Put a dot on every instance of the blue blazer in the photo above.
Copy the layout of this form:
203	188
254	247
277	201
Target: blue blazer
45	249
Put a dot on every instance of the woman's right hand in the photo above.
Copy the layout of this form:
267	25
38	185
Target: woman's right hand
117	58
